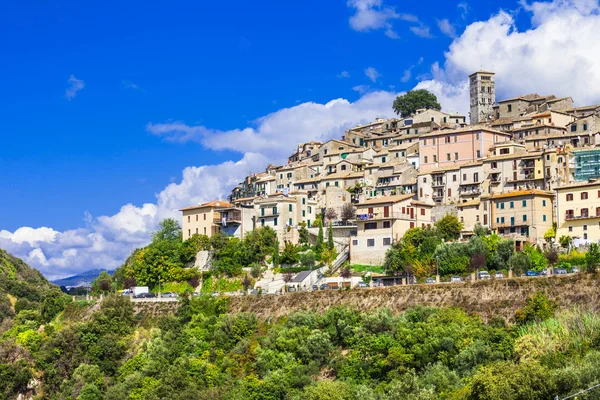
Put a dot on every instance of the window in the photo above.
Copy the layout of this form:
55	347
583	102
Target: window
574	128
448	157
422	211
509	108
524	217
290	223
585	236
387	224
196	231
262	222
289	175
434	158
383	159
454	180
502	206
525	203
476	177
424	142
343	167
570	229
424	180
205	231
447	139
569	196
303	200
585	127
455	156
326	184
370	225
478	153
189	218
310	209
304	213
280	176
584	196
336	183
464	177
544	217
354	242
370	242
543	203
512	220
262	212
432	140
502	220
275	221
425	159
189	232
387	241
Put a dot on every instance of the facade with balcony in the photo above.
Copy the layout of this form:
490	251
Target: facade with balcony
200	219
578	212
382	221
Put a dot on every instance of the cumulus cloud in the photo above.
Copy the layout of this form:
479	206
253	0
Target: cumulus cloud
372	74
372	15
344	74
548	58
422	31
106	241
75	85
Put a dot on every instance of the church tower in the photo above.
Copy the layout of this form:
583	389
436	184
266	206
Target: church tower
483	96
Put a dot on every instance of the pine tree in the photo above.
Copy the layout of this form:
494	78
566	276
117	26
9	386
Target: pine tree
330	244
320	240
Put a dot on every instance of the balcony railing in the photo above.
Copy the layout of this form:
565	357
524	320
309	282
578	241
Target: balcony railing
231	217
437	183
510	225
378	216
570	217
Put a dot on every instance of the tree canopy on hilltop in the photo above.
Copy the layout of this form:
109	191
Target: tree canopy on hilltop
413	100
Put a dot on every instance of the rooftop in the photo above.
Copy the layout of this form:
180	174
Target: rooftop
387	199
210	204
517	193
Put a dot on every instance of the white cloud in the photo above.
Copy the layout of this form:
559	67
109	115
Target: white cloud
372	74
552	57
362	89
446	27
421	30
131	85
75	85
344	74
106	241
372	15
464	9
407	75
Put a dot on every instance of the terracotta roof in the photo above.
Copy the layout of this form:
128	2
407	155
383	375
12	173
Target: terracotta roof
536	192
387	199
210	204
470	203
245	199
340	175
421	203
308	180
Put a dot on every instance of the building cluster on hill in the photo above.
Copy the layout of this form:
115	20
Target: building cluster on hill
522	167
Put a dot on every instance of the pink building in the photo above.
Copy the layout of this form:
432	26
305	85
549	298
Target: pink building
448	147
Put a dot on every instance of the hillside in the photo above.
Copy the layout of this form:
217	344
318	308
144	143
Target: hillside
21	287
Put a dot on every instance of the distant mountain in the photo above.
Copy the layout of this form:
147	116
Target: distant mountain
83	279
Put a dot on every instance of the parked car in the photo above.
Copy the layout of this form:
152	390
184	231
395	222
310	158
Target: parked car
362	285
544	272
377	284
291	289
324	286
215	294
531	273
483	275
169	294
147	295
560	271
315	287
575	270
430	280
455	279
499	275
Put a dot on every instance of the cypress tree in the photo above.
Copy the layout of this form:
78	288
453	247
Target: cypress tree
330	244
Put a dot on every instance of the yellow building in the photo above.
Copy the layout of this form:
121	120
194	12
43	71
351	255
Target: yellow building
203	219
524	215
578	211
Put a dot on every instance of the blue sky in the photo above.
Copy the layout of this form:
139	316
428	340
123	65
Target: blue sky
106	103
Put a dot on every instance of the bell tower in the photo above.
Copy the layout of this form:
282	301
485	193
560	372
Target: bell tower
483	96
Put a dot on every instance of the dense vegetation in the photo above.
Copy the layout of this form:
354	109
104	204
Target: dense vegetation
422	251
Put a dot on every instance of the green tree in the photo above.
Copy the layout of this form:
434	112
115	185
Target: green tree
308	259
592	258
537	308
289	255
480	230
452	258
520	262
409	103
565	241
103	283
551	255
302	233
169	230
328	256
260	243
330	244
449	227
550	234
320	241
536	257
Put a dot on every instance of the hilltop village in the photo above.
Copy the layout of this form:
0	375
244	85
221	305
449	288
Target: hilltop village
524	167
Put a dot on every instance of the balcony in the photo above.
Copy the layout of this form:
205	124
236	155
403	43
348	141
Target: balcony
437	183
509	225
437	195
227	217
470	191
572	217
380	216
